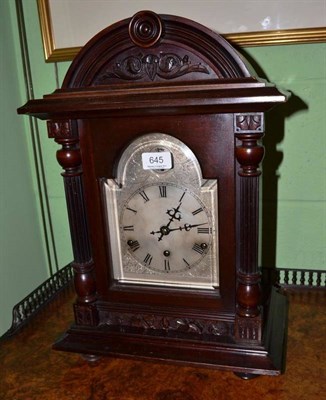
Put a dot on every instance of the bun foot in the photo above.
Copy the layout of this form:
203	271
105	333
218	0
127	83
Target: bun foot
91	358
245	376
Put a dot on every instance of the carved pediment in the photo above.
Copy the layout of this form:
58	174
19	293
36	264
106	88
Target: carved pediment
155	48
151	67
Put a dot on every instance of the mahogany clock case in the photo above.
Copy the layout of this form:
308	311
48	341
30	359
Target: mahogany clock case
158	73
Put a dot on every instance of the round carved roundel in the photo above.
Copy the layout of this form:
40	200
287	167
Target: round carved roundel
145	28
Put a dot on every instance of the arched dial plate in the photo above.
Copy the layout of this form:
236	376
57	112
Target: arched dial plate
162	223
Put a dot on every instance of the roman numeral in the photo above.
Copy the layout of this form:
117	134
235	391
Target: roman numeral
186	262
144	196
167	265
197	211
204	230
131	209
128	228
148	259
182	197
162	191
197	247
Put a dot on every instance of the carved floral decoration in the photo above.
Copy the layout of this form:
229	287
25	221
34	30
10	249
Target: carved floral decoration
168	324
164	65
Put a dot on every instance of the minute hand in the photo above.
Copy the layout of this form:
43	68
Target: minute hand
187	227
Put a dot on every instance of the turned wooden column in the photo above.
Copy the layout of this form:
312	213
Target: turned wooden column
65	133
249	129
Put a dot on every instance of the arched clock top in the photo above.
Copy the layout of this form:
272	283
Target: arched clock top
155	48
132	167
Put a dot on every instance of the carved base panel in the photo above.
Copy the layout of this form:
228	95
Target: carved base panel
172	326
183	340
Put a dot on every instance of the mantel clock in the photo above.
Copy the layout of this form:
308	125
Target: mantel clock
160	122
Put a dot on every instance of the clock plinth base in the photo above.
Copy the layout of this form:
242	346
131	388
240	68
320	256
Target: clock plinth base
184	348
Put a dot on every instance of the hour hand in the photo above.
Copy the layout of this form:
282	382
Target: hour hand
174	213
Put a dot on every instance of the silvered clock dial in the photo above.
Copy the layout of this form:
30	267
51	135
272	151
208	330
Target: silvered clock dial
162	216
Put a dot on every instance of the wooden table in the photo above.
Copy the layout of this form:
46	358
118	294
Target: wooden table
31	370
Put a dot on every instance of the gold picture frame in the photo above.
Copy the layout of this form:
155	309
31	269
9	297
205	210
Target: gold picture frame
246	39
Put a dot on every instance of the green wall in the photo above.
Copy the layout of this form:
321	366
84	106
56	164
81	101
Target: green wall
297	152
294	179
45	78
22	257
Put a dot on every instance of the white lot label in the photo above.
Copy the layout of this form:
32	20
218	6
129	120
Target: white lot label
157	160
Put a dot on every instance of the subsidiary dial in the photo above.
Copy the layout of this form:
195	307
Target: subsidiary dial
166	228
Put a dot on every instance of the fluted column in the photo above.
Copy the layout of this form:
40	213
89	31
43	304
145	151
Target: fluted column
65	133
249	128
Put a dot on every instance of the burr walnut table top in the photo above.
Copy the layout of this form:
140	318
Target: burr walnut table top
31	370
